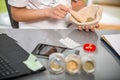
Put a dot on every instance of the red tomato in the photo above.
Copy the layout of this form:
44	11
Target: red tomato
89	47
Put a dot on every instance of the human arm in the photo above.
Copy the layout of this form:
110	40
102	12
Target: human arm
24	15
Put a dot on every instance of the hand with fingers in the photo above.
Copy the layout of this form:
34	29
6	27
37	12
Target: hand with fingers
87	18
88	28
58	12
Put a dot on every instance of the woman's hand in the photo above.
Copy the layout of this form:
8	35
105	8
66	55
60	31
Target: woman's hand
88	28
58	12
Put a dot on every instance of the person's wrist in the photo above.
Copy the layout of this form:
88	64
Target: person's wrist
47	12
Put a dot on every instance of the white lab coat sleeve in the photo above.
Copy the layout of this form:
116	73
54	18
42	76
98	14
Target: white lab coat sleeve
18	3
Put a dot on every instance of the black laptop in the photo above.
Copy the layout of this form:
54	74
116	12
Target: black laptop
11	59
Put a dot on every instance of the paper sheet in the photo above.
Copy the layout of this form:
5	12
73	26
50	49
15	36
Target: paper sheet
69	42
114	41
32	63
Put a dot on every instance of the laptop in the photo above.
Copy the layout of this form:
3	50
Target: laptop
12	57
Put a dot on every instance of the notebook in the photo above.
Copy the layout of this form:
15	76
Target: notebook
15	61
113	40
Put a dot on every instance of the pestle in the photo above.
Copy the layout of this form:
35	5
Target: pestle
79	17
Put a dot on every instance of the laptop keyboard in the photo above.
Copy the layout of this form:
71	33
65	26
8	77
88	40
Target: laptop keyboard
6	69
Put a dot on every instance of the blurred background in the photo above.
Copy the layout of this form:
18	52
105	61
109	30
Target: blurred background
110	18
4	17
111	13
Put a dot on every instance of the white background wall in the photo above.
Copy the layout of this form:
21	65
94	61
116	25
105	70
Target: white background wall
108	1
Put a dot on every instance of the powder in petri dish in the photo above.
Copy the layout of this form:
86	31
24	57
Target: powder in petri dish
72	65
55	66
89	65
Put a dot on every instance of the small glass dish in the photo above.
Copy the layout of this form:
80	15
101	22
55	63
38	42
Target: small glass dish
73	64
88	63
56	63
